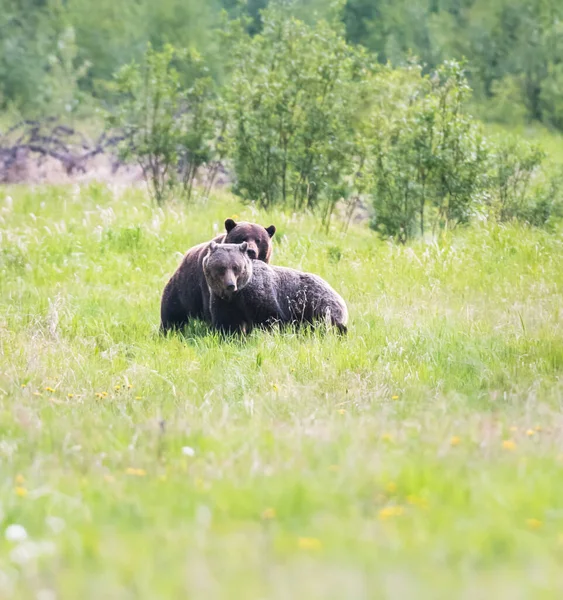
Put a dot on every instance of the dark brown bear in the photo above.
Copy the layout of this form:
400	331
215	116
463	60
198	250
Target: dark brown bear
246	293
186	295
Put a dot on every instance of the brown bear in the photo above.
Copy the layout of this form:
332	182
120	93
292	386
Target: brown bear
246	293
186	295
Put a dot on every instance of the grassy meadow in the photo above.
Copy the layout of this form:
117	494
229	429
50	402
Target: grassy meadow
420	457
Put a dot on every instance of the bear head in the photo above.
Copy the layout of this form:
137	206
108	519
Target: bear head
258	238
227	268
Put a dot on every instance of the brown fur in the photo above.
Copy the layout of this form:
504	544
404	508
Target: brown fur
246	293
186	295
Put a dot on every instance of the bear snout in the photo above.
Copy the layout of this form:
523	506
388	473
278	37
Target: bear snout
252	251
229	286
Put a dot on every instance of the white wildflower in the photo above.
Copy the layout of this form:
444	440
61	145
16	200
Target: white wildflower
15	533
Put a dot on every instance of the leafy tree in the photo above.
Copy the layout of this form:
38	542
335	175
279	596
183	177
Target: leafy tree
168	130
27	36
515	41
520	189
292	105
60	88
429	158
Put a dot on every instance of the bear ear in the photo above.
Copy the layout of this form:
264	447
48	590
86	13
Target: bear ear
213	246
230	225
243	247
271	230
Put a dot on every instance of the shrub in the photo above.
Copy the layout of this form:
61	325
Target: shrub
168	128
292	102
429	159
521	185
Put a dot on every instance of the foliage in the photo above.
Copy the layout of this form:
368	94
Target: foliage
511	45
198	122
27	37
520	189
292	103
305	119
312	122
168	129
60	88
429	158
152	99
426	445
108	34
514	41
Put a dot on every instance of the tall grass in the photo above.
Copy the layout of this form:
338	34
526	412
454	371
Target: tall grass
420	457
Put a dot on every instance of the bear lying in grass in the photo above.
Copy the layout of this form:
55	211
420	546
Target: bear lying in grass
186	295
246	293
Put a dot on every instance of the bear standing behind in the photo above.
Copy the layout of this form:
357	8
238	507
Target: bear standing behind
186	295
246	293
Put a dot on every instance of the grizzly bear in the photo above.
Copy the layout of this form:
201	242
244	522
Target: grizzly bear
186	295
246	293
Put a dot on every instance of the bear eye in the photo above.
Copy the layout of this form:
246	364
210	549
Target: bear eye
222	270
236	270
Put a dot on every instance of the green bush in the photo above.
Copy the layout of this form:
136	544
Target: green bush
428	160
522	187
168	128
292	103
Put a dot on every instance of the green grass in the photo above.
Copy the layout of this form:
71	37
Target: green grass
370	467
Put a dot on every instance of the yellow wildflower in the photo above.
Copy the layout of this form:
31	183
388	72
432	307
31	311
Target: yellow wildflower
306	543
530	432
533	523
538	428
136	472
341	411
390	511
20	479
455	441
129	386
49	389
509	445
70	395
99	395
274	387
21	491
23	385
387	437
138	397
117	388
394	397
269	514
391	487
